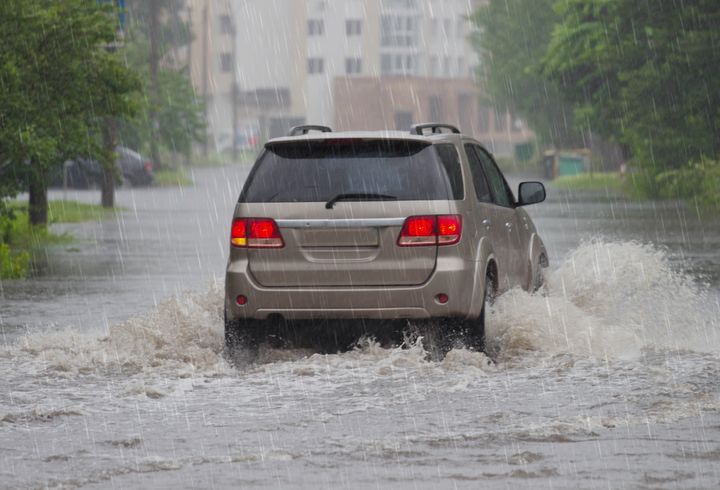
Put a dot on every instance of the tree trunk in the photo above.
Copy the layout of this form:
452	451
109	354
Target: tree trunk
107	190
38	210
107	184
154	82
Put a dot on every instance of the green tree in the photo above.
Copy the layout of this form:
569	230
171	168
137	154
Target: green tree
179	112
159	23
511	39
57	86
643	74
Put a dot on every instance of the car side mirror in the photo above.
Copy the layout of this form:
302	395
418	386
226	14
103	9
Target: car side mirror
530	193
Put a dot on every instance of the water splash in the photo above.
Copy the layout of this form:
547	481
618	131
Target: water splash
608	299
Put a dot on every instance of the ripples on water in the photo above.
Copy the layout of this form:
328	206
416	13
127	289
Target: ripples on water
616	339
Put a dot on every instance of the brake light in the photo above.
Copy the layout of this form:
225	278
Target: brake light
238	233
256	233
148	166
420	231
449	229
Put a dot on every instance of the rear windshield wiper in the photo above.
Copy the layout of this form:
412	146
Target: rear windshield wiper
359	196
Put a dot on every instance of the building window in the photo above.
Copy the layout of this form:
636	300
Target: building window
353	66
401	4
315	65
226	62
353	27
226	26
398	64
398	30
386	64
409	63
315	27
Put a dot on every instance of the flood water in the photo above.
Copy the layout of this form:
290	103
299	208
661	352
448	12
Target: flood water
113	374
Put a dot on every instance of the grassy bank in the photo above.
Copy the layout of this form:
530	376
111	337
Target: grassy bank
596	181
18	238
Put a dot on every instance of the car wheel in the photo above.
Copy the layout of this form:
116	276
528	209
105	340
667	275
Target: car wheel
474	330
241	340
538	279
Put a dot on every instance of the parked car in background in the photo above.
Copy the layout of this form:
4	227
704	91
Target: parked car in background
136	169
82	173
377	225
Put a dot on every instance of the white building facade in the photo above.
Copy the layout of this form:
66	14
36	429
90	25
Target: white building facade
276	63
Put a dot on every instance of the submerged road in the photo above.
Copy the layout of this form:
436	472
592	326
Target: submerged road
112	373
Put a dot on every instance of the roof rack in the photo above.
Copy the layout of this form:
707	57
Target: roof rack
433	127
306	128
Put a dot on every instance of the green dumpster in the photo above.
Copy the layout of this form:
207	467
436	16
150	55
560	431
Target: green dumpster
571	165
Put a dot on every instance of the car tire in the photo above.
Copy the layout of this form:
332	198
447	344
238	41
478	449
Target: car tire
474	329
538	278
241	340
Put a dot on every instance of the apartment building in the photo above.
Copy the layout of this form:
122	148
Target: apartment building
276	63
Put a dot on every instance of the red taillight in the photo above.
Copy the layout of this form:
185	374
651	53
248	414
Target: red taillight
148	166
238	235
430	230
418	231
256	233
449	229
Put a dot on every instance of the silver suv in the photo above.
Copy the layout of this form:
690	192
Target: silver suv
377	225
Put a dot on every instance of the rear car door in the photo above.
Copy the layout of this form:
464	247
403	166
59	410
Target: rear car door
490	216
354	241
508	218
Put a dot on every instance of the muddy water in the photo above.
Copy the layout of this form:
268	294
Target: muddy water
606	379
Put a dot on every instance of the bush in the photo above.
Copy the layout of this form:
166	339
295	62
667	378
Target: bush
698	180
13	265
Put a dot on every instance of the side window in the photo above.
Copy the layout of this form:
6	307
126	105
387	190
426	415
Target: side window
451	162
501	191
478	176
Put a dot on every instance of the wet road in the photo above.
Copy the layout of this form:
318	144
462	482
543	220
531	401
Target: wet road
608	380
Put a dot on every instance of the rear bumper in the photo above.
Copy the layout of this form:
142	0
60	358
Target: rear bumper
453	277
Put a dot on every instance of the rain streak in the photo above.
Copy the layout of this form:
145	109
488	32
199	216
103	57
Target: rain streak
129	148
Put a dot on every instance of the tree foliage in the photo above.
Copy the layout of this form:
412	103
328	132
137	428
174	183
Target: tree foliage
512	38
171	114
180	114
57	84
643	73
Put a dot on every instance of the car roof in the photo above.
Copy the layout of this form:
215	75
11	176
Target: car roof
386	134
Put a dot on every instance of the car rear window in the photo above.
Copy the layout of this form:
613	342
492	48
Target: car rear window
451	161
318	170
